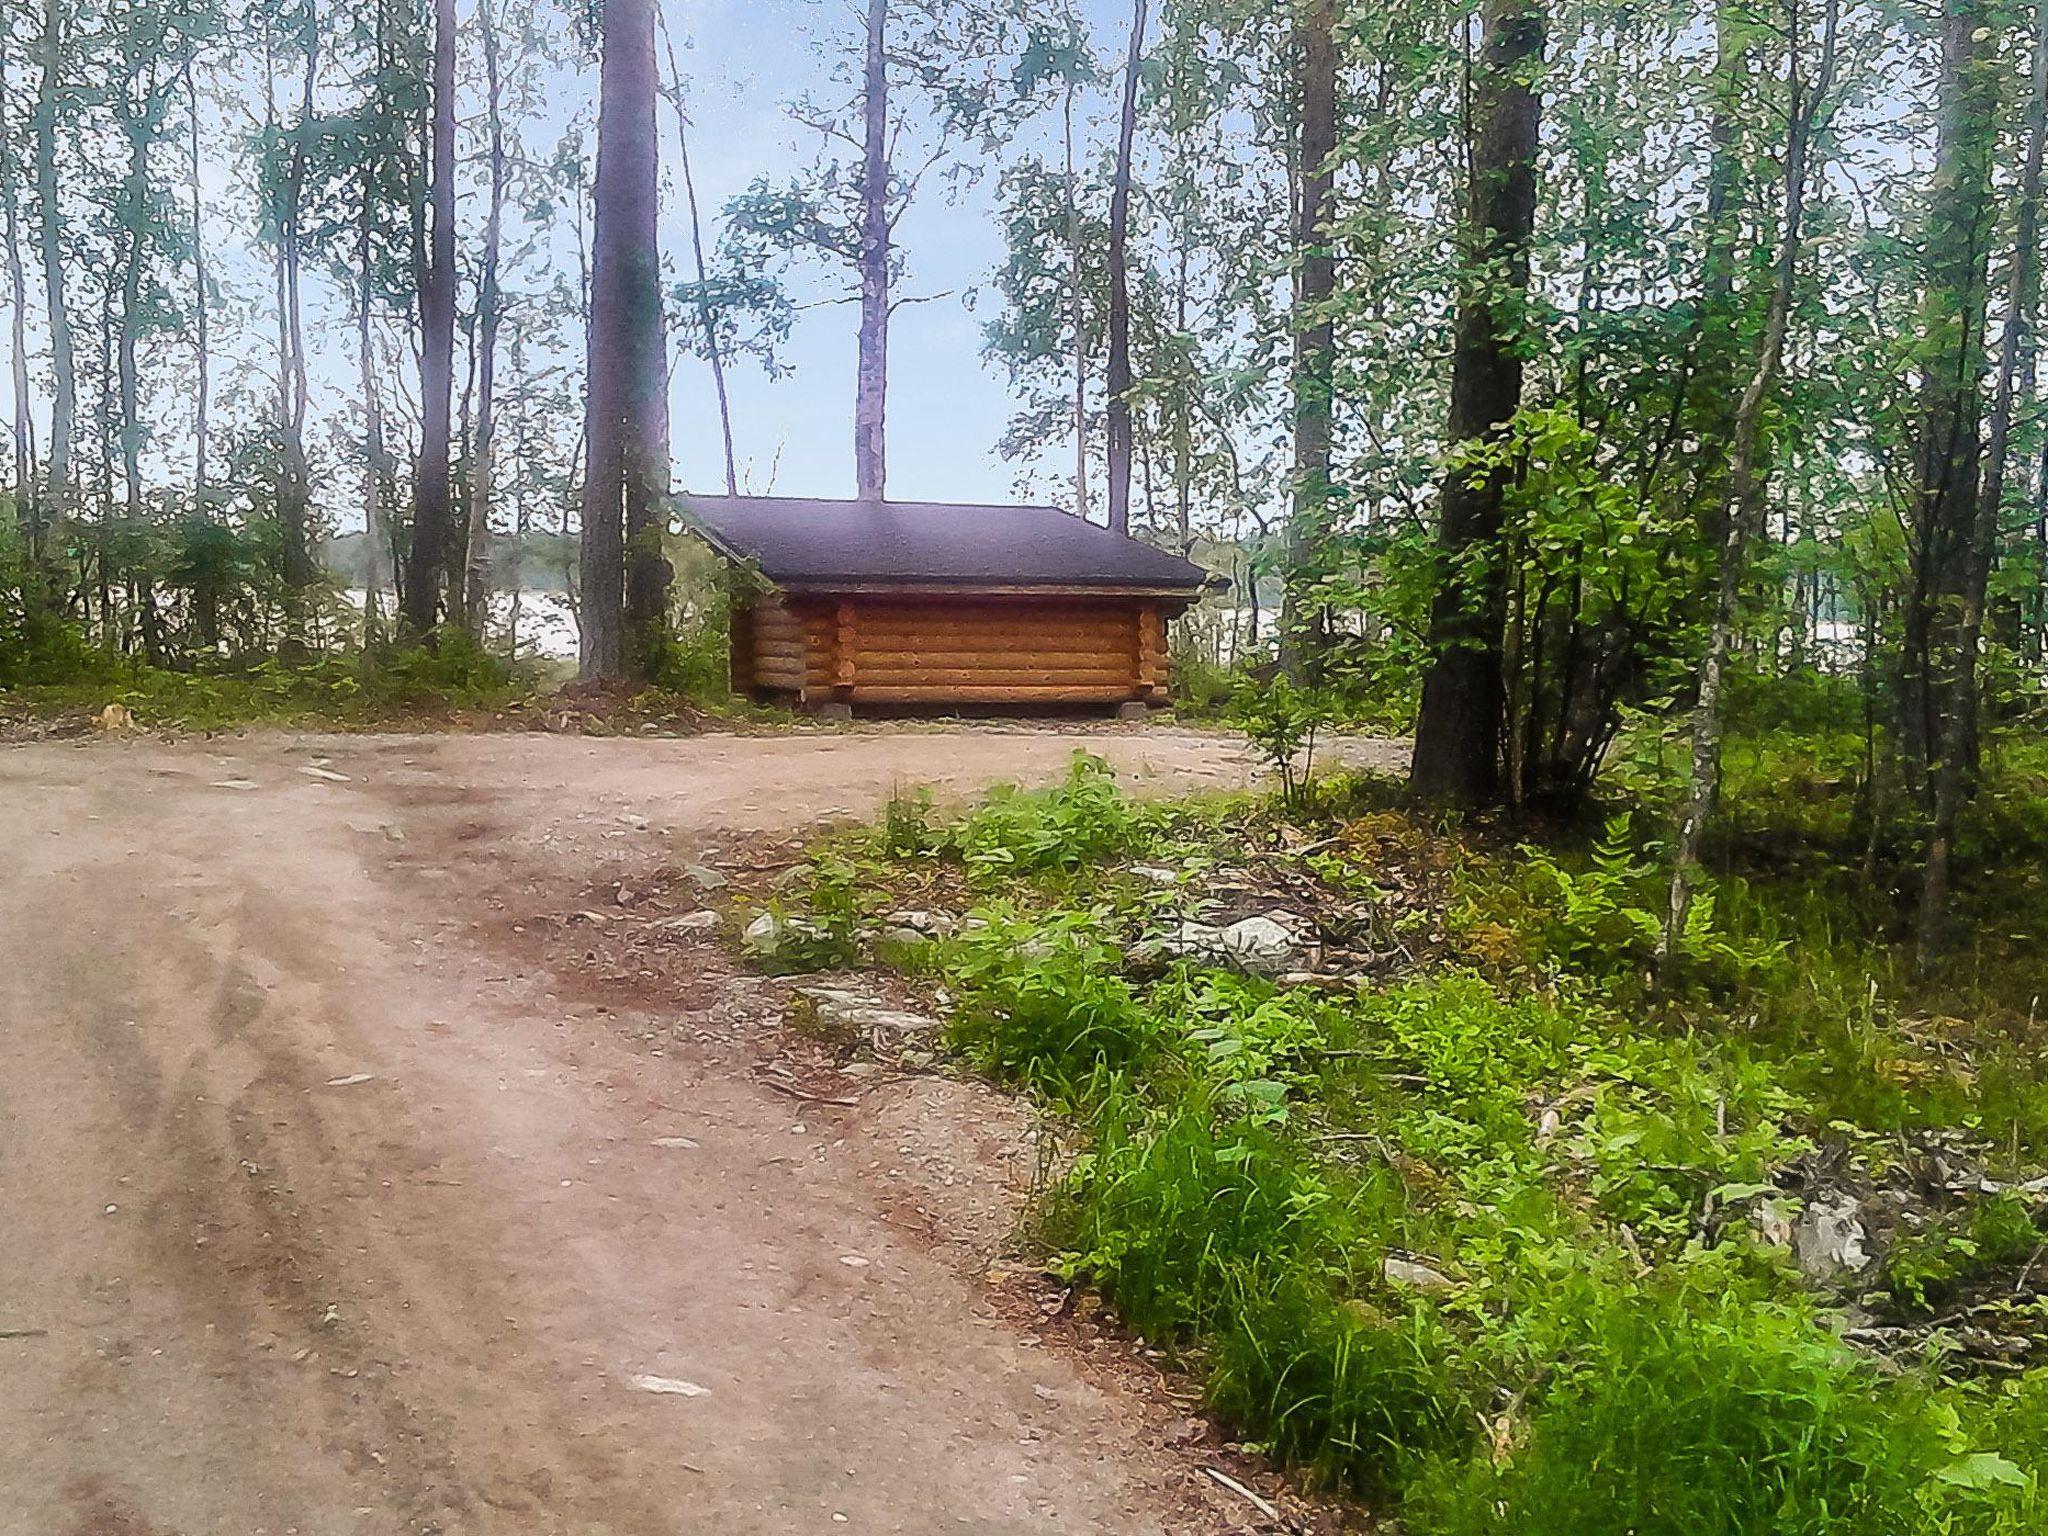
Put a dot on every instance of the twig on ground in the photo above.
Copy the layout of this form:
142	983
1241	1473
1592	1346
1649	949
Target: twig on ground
808	1098
1265	1507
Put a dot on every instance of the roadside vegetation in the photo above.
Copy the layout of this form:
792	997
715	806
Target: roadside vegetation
1388	1128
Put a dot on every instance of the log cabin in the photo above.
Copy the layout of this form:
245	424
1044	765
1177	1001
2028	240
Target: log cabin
925	604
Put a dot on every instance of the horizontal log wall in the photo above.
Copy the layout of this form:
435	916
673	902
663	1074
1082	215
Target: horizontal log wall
989	650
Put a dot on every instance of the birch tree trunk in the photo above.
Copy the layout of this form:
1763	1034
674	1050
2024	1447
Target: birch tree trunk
1743	497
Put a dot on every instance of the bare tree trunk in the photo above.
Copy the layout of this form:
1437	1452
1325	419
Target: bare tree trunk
490	308
1953	765
1119	389
380	474
57	500
714	352
428	573
26	501
137	126
625	575
1458	733
1077	305
202	344
1315	331
1743	497
294	493
871	388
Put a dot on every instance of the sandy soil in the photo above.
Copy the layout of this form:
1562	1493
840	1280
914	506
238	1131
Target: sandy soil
336	1199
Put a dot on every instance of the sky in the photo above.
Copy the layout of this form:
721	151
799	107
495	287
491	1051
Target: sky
947	405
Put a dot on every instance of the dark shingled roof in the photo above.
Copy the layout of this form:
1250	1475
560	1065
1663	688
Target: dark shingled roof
826	544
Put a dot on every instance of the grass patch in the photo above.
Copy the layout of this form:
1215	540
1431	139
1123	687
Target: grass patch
1489	1240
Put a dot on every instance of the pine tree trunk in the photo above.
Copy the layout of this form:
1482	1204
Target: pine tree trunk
1954	763
1119	382
871	387
1458	732
294	495
489	318
624	574
202	341
59	491
427	576
1315	331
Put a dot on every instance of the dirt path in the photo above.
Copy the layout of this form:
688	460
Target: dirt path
330	1208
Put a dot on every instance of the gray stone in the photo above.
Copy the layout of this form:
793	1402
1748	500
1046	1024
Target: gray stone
852	1010
1412	1276
690	922
705	878
1828	1240
834	712
1133	709
1265	945
922	924
768	933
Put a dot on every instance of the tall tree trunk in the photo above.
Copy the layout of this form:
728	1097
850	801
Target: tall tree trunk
1949	449
1119	389
427	576
380	474
714	351
1743	495
1315	330
1953	765
27	502
1077	298
294	490
58	489
871	385
202	342
1458	733
138	128
625	575
490	309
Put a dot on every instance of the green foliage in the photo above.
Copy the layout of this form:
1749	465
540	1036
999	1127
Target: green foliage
1281	720
1602	917
1038	1003
1928	1268
1695	1410
1080	821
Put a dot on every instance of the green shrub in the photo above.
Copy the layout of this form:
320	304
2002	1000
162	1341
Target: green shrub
1703	1413
1181	1213
1358	1398
1040	1004
1082	821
